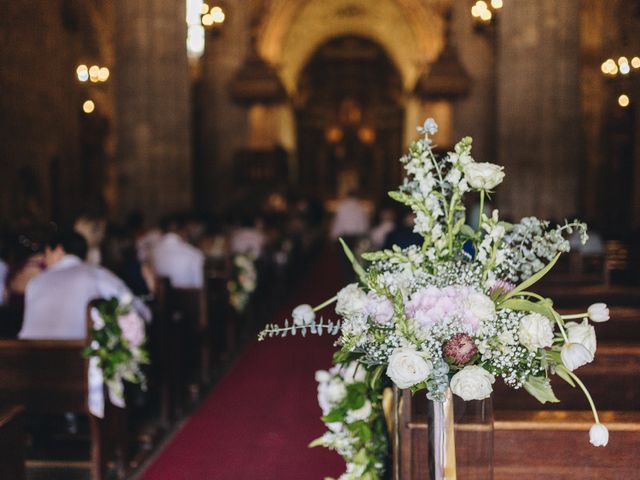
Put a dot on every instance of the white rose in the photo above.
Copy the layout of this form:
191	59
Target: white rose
536	331
380	309
352	301
362	413
408	368
575	355
303	315
598	312
481	306
354	372
598	435
472	383
322	376
483	176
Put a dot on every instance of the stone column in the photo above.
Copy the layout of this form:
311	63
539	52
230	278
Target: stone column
224	125
153	107
538	108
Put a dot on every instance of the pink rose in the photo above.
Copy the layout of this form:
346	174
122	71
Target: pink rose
132	327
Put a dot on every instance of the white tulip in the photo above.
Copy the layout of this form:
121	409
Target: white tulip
598	435
584	334
408	368
472	383
483	176
575	355
536	331
598	312
303	315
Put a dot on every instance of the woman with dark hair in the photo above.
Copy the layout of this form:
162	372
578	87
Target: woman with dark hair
25	255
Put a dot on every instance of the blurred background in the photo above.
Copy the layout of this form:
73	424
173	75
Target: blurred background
116	106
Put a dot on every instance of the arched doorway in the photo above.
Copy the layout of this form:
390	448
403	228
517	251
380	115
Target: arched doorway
349	120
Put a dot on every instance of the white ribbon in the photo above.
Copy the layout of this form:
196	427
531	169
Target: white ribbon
96	388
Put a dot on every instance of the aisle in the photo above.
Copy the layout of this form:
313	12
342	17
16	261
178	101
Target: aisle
257	422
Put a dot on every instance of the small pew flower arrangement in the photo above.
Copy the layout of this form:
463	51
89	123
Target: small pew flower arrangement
118	338
458	311
243	281
352	413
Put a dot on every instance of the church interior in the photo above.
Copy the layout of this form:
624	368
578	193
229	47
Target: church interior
233	133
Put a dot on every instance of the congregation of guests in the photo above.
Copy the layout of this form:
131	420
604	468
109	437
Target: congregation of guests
48	275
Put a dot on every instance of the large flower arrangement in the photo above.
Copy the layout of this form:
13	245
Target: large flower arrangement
243	281
118	338
352	412
458	311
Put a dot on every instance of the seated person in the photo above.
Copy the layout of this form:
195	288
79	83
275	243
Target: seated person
174	258
56	300
248	238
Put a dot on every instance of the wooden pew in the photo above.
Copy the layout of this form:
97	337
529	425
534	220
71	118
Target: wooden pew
12	443
531	445
523	425
51	377
185	340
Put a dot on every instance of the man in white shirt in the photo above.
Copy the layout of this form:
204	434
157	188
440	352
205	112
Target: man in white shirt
56	300
351	219
248	239
174	258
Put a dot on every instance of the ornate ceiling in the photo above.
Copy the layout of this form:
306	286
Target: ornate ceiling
290	31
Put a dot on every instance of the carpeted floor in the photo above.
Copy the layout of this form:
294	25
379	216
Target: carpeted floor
257	422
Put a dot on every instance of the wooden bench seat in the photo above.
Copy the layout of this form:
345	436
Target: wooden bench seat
51	377
533	445
12	443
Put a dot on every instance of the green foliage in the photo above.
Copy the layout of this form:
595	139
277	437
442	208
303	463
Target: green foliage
116	357
540	388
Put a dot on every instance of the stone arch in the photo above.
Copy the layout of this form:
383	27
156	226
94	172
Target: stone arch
410	31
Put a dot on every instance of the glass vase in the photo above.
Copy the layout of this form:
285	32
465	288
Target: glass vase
460	439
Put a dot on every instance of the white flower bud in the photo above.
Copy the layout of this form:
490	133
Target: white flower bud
303	315
598	312
575	355
598	435
472	383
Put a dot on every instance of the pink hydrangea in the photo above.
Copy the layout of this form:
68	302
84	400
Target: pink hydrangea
132	327
380	309
432	306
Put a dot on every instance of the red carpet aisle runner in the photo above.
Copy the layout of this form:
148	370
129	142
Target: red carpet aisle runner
257	422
